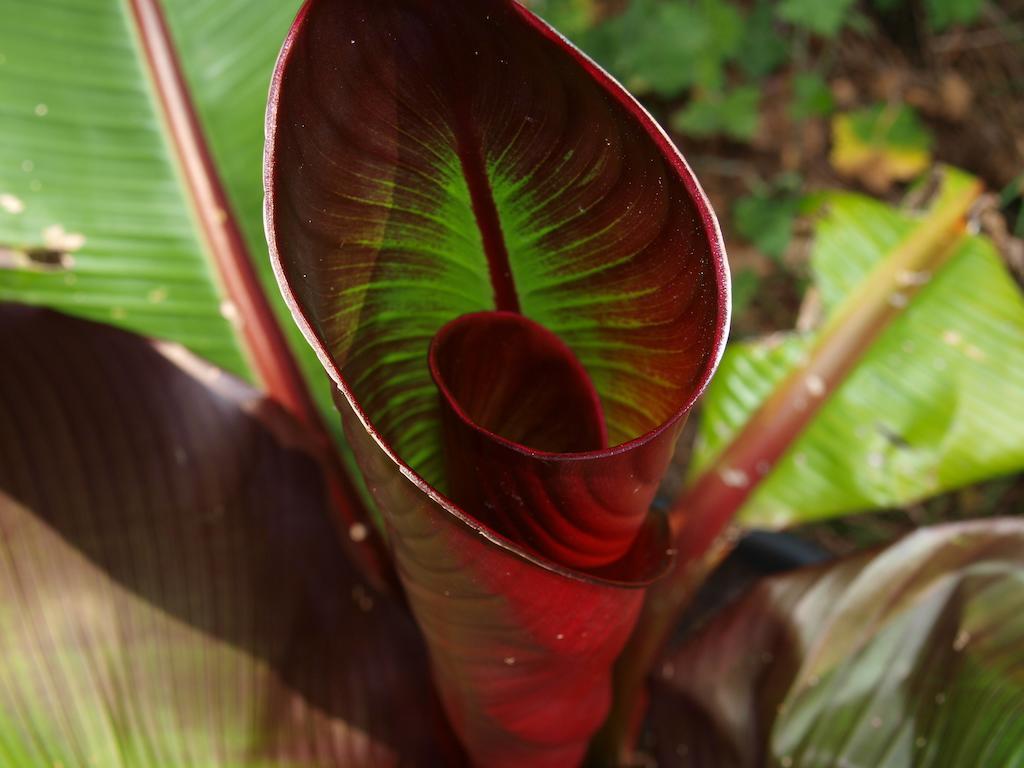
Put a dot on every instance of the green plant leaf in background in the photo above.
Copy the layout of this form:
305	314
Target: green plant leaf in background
811	96
911	656
943	14
880	144
733	113
1014	193
84	156
99	216
822	18
935	403
764	49
745	283
766	220
665	47
99	220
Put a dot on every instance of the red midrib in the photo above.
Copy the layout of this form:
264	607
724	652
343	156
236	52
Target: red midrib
262	339
474	169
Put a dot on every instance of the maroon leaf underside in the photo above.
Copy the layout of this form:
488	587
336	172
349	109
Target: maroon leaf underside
520	650
517	490
153	512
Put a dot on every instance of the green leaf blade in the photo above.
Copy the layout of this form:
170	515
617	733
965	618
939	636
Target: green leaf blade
84	154
932	405
825	19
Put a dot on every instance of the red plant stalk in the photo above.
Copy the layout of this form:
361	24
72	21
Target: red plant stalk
262	339
702	514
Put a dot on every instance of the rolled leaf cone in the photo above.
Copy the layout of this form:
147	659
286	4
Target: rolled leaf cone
526	448
455	172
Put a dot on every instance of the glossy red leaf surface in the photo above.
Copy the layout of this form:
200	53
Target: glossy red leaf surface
455	173
172	588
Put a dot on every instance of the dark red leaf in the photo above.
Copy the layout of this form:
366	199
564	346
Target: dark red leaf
525	446
431	161
521	647
172	589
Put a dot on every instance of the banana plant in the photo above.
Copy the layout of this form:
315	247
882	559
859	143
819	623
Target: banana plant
512	286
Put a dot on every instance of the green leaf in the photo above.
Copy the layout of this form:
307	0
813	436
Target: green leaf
908	657
734	114
745	283
934	403
822	18
84	153
897	127
100	221
1014	192
573	18
943	14
880	144
666	47
763	49
173	589
723	44
766	220
811	96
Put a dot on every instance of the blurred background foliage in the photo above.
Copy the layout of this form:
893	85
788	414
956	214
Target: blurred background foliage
774	100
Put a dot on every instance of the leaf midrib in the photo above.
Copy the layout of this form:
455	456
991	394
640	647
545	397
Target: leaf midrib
470	153
262	338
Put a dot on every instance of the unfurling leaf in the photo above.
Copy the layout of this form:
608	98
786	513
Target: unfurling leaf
910	656
519	290
172	587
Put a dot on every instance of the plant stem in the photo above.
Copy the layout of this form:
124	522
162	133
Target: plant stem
706	508
262	338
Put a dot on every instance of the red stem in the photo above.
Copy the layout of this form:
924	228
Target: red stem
262	338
